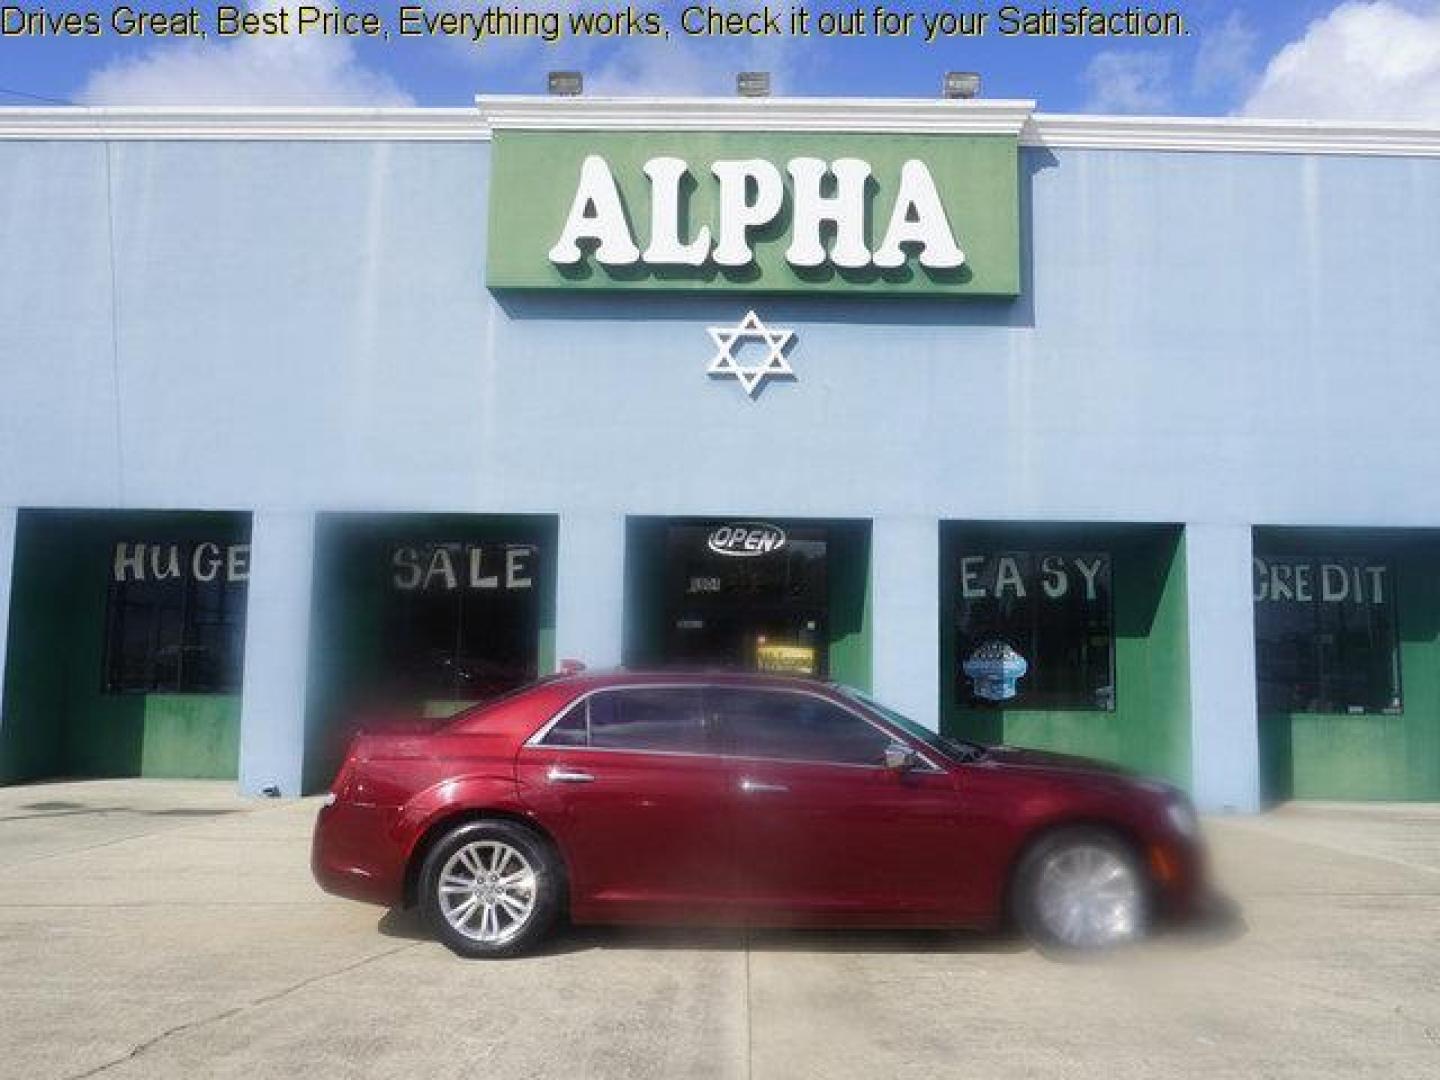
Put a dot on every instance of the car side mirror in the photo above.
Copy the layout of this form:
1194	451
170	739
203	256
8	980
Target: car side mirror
899	757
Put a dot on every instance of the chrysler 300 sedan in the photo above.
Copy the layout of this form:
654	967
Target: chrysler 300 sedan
626	797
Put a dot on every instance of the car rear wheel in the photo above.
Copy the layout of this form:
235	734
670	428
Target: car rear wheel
1081	890
490	889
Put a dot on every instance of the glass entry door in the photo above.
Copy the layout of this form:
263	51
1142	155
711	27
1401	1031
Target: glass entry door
746	595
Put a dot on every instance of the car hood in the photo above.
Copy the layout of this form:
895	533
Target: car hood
1045	759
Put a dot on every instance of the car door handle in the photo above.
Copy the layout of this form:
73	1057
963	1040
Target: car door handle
558	775
753	787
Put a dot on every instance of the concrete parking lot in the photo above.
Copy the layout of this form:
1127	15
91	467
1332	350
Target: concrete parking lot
152	928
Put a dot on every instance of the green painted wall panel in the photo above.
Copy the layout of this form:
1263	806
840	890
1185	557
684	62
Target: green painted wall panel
1149	728
849	578
191	735
1340	756
534	177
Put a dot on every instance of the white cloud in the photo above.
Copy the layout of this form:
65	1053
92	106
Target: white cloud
1128	82
1363	61
1225	56
252	71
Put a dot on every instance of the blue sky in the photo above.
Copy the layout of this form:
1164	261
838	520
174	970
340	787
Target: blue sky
1377	59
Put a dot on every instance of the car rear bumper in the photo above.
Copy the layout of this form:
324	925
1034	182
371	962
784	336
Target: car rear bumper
352	854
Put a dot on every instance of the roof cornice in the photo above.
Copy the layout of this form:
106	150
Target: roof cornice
129	123
883	115
1230	135
908	116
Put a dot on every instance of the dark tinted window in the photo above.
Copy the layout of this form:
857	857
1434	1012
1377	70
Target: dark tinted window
796	727
572	729
662	719
176	619
462	619
1325	636
766	612
1034	631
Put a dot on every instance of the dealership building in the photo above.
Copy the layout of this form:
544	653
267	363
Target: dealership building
1116	436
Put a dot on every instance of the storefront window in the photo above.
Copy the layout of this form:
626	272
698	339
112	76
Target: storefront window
1325	638
462	619
1035	631
747	595
176	617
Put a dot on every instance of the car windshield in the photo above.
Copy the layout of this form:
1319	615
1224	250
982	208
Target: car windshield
953	748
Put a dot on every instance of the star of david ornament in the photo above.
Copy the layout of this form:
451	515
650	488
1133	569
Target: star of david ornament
752	376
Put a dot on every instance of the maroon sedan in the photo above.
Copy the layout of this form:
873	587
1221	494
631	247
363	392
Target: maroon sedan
626	797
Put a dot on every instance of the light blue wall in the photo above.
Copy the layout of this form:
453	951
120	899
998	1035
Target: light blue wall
277	637
1212	339
1203	337
905	585
1224	741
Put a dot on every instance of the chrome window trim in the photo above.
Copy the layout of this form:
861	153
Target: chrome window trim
537	740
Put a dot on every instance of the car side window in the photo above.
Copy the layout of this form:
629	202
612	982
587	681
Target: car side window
795	727
669	719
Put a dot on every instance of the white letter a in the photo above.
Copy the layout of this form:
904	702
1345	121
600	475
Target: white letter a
919	218
596	214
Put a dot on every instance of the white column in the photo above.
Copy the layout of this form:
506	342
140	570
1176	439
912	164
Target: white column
277	638
9	519
590	589
1224	736
905	616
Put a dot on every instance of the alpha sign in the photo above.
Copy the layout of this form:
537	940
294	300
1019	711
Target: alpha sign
761	212
750	195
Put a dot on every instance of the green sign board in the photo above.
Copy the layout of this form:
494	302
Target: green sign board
765	212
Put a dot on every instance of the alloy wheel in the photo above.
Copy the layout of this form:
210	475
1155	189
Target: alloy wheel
1089	897
487	891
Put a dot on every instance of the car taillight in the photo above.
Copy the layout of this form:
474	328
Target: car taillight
343	778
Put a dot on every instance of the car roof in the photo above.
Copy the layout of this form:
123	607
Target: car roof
600	679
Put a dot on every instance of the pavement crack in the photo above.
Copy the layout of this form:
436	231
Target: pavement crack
149	1044
1430	1033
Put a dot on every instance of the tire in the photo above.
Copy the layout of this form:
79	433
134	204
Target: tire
1081	890
491	889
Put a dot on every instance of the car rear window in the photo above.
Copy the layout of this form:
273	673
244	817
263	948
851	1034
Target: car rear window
668	719
573	728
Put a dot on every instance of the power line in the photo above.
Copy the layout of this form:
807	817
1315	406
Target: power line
34	97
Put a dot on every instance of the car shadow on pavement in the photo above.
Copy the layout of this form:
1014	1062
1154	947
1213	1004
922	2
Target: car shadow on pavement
1219	921
408	924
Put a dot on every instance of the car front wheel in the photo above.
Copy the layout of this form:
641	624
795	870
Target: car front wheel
490	889
1081	890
